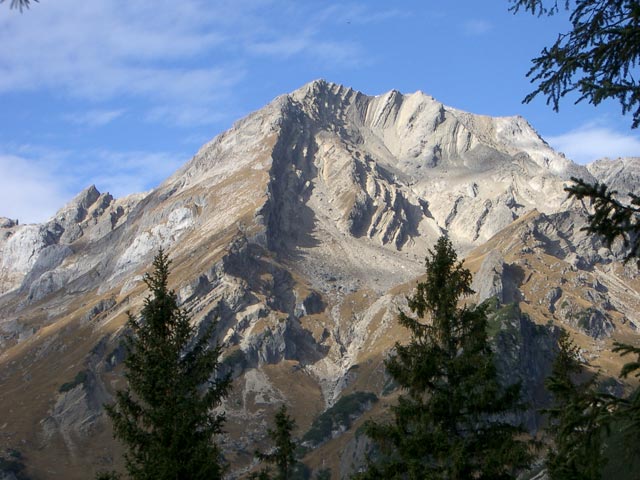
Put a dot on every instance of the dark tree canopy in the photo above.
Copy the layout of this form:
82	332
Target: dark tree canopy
578	418
450	421
629	412
283	455
165	416
598	58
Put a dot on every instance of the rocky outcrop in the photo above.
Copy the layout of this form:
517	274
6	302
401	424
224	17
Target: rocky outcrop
622	174
592	321
78	411
7	222
488	281
29	252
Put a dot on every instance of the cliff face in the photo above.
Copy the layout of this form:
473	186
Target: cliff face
301	230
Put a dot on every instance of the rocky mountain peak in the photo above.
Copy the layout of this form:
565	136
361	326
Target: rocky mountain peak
301	230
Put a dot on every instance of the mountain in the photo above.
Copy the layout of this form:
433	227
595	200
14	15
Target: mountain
620	174
301	230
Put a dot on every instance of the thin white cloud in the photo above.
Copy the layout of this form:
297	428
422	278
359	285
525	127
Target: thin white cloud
94	118
283	47
329	53
171	55
365	17
29	192
37	181
185	116
122	173
101	50
358	14
591	142
476	27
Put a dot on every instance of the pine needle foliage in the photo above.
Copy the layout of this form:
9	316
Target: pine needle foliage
451	421
165	416
628	415
283	455
20	4
611	219
579	418
598	58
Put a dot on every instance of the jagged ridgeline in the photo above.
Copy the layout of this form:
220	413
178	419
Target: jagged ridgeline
302	229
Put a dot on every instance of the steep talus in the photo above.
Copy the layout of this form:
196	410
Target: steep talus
301	231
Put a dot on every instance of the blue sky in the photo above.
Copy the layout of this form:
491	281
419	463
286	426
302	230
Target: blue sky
120	93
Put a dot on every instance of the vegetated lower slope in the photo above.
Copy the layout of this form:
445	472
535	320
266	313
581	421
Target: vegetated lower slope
302	229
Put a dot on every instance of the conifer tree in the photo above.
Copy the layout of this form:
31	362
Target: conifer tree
283	455
628	413
165	416
323	474
450	423
578	418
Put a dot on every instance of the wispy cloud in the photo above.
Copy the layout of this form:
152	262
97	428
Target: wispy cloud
29	192
591	142
357	14
125	172
94	118
186	116
328	52
310	38
101	50
37	181
170	56
476	26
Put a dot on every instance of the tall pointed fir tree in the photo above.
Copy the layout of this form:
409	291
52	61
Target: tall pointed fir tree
628	413
578	418
283	455
450	423
165	416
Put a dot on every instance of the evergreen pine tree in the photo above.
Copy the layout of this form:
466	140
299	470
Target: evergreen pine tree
263	474
451	421
283	455
629	412
164	417
578	418
323	474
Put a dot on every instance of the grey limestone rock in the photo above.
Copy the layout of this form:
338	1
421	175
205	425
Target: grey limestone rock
488	282
48	259
77	412
591	320
621	174
102	306
552	297
7	222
